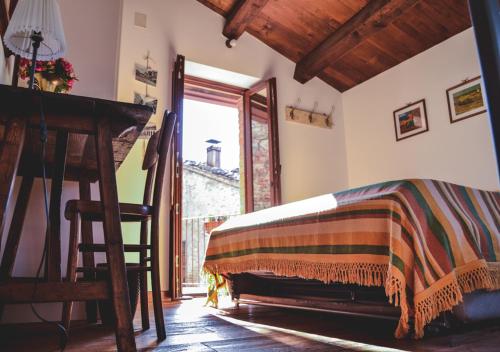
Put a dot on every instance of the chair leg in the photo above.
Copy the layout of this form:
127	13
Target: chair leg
143	284
155	282
143	278
71	266
88	257
15	231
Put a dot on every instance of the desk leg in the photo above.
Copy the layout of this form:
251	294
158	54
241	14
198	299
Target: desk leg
53	260
88	257
113	237
10	153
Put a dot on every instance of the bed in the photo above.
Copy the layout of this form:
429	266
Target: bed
406	249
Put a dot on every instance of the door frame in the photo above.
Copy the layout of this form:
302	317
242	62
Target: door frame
274	155
227	95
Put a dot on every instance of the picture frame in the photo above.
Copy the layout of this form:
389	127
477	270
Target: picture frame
411	120
466	99
147	100
146	74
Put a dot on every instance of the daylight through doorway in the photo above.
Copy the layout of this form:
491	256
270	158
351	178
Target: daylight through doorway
211	189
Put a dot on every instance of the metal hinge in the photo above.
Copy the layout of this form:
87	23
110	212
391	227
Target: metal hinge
177	261
177	169
176	208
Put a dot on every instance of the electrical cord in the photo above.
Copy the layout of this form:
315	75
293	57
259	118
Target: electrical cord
63	338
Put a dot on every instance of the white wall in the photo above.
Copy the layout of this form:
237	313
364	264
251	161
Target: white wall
461	152
92	34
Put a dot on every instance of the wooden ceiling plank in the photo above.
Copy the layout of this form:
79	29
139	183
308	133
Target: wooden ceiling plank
241	16
221	7
299	22
451	17
375	16
272	33
376	56
390	48
347	68
397	41
336	79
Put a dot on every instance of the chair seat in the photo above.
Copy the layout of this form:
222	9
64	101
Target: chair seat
134	267
91	210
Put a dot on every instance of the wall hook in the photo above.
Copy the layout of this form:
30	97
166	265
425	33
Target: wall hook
312	112
292	112
329	116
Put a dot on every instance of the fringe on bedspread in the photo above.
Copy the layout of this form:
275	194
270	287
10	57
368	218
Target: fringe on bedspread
441	296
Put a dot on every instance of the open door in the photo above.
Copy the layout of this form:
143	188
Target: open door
260	186
262	164
175	272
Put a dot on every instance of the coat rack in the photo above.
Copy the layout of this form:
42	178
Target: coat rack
311	118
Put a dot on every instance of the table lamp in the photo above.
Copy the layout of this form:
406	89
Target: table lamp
35	32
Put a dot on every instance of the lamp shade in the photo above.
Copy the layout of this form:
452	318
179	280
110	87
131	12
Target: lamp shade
36	16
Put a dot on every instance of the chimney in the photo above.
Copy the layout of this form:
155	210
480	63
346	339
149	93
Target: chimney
213	153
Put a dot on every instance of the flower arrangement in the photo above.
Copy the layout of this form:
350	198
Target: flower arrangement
58	73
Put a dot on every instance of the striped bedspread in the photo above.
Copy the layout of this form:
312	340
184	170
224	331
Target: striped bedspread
427	242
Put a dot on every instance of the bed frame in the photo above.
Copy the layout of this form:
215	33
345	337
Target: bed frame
265	288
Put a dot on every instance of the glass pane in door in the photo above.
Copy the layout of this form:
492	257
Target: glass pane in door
261	167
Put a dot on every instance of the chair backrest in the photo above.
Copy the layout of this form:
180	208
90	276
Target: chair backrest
155	159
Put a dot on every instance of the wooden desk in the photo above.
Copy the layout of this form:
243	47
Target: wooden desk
88	139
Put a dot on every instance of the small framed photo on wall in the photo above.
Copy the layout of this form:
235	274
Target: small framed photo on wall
410	120
466	99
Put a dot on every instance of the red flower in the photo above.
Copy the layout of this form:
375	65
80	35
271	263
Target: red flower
59	69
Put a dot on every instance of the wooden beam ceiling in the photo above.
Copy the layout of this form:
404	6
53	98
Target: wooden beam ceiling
346	42
241	16
375	16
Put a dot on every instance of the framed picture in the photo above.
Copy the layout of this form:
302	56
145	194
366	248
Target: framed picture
410	120
146	100
466	99
146	75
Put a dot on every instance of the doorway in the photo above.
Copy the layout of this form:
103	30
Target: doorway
211	172
225	162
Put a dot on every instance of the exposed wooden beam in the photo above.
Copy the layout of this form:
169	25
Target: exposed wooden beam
375	16
241	16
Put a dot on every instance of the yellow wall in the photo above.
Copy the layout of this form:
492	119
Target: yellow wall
130	179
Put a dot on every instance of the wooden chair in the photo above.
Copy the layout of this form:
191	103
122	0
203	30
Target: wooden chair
155	162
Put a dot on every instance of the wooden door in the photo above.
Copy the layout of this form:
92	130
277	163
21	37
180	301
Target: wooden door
261	143
175	270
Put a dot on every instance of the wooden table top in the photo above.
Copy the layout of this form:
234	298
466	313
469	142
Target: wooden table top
128	120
